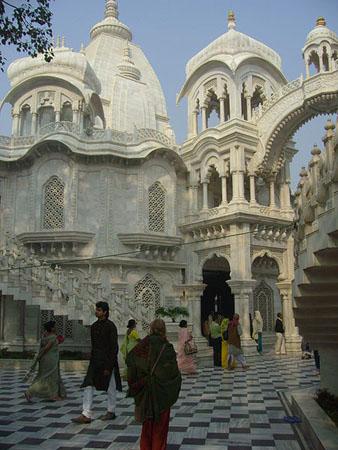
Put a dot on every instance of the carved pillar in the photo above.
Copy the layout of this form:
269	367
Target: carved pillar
15	124
292	338
307	69
190	295
222	109
321	65
272	192
248	107
57	116
76	116
205	194
224	190
252	189
195	122
242	290
204	118
193	190
34	123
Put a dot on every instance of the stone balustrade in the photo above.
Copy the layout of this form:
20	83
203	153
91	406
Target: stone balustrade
116	137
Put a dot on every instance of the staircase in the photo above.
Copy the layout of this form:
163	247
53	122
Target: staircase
316	243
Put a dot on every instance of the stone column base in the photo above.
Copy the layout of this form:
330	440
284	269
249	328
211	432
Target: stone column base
293	344
204	355
249	347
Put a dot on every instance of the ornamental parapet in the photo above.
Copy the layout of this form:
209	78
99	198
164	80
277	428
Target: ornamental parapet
139	136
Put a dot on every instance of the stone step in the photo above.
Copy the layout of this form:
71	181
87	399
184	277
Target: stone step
329	273
318	288
327	256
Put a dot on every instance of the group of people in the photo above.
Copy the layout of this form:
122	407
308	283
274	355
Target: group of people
225	338
153	375
153	368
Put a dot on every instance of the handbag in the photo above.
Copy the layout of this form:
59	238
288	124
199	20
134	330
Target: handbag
190	348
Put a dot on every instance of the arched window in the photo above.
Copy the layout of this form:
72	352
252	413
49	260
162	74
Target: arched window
66	112
157	207
264	303
26	121
148	298
214	189
258	97
314	60
46	116
213	111
325	59
53	205
243	102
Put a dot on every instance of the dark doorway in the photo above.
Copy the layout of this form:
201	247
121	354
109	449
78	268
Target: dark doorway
217	296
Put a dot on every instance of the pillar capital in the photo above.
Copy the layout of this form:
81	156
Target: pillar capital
190	292
241	287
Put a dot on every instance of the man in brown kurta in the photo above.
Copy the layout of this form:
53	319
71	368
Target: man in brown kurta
103	371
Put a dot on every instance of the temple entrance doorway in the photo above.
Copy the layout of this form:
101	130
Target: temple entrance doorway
217	297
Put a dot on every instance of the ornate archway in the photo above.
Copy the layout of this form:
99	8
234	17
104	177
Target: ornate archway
217	297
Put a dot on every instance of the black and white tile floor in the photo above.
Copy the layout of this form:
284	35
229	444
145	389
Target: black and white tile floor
216	410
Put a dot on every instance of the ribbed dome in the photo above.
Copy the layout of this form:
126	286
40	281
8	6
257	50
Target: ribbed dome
131	92
232	48
65	63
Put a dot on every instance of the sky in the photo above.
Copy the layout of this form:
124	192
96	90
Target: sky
170	32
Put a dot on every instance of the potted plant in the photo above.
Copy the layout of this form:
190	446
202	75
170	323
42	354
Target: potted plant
173	313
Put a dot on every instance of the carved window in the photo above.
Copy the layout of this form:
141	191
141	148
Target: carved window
157	207
46	115
264	303
148	298
26	121
66	113
53	205
64	327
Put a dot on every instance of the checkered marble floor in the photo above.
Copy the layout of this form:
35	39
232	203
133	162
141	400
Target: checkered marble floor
216	410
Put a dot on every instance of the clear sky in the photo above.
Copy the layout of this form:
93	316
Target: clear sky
170	32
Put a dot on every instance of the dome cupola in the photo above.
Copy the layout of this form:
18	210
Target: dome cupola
321	49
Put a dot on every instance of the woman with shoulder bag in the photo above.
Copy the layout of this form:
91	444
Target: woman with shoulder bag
185	350
155	383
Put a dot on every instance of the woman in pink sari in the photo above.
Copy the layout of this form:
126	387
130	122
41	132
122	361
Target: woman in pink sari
186	363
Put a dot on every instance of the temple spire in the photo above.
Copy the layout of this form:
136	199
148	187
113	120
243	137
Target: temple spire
112	9
231	20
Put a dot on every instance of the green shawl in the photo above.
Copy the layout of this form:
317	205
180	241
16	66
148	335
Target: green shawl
154	393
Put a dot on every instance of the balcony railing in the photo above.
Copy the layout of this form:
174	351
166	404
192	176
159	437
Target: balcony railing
118	137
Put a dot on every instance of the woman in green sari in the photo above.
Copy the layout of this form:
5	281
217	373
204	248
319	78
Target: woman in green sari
48	383
131	339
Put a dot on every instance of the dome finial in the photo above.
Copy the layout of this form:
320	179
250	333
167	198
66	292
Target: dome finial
320	22
112	9
231	20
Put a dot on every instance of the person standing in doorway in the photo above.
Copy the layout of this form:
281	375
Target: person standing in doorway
257	333
280	338
103	371
216	340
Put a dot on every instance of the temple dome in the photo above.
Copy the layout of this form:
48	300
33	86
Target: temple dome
131	95
321	33
233	48
66	64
